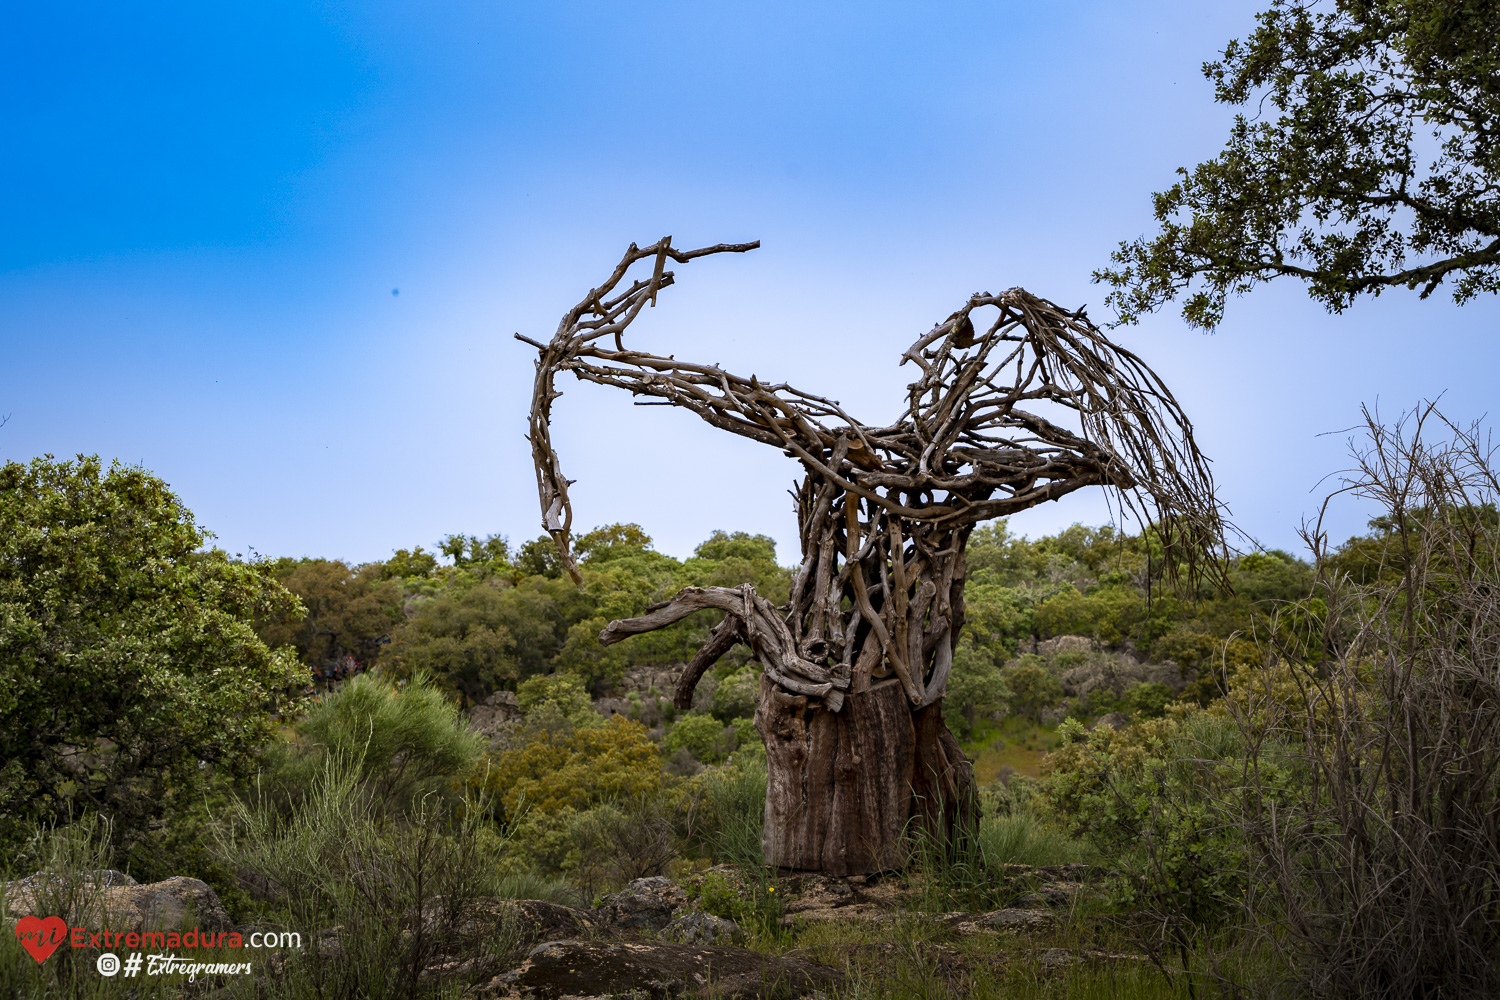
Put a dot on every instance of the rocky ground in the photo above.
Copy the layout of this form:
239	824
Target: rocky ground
800	934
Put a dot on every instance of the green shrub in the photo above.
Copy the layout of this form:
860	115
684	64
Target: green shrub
128	661
976	685
1032	688
736	695
1154	797
736	799
1149	699
404	742
397	887
604	846
1110	614
703	736
576	768
556	703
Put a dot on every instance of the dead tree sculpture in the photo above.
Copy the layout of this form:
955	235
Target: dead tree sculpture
856	661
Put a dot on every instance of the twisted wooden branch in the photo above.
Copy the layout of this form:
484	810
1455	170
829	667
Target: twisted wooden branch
885	511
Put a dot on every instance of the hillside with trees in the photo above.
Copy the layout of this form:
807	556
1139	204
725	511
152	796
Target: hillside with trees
1200	752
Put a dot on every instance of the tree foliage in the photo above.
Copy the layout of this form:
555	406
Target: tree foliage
349	611
128	660
1378	164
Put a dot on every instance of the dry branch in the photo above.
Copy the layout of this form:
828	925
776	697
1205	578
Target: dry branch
885	511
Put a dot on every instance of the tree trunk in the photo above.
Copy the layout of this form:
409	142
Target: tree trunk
848	790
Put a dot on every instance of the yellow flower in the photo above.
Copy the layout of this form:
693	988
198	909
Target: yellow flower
770	888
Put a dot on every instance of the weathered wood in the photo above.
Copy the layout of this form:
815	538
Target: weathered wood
839	789
721	640
856	754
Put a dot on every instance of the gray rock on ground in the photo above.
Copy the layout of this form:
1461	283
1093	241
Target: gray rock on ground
1114	720
586	969
114	900
698	927
647	904
1007	920
520	922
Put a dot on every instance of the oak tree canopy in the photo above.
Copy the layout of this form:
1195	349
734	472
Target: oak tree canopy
1368	157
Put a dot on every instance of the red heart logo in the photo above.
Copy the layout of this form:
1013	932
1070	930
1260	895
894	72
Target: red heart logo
41	937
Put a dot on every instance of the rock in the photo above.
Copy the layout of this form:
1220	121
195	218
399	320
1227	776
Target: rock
101	878
1059	957
1054	958
698	927
1054	894
1066	644
647	904
1008	920
1114	720
115	900
817	897
608	707
582	969
487	921
495	714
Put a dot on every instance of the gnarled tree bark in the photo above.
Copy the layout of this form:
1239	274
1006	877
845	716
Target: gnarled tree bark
856	662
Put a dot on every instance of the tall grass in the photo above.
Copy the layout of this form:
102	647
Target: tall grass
969	872
1022	838
737	795
398	888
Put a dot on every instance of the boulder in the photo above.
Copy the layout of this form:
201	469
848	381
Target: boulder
647	904
659	970
1054	894
115	900
495	714
698	927
487	920
608	707
1114	720
1066	644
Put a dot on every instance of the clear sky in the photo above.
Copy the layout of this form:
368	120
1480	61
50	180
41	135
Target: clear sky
210	210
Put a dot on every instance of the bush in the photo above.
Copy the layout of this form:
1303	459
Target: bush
576	768
736	799
1149	699
1032	688
1110	615
398	889
603	847
974	686
700	735
557	703
128	661
1395	737
403	743
1157	798
737	695
457	636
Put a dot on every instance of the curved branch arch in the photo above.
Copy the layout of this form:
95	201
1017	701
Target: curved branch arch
885	510
1016	401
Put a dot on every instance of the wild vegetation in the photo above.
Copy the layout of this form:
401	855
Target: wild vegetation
1293	790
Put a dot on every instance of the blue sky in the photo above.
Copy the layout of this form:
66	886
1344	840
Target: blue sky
209	208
